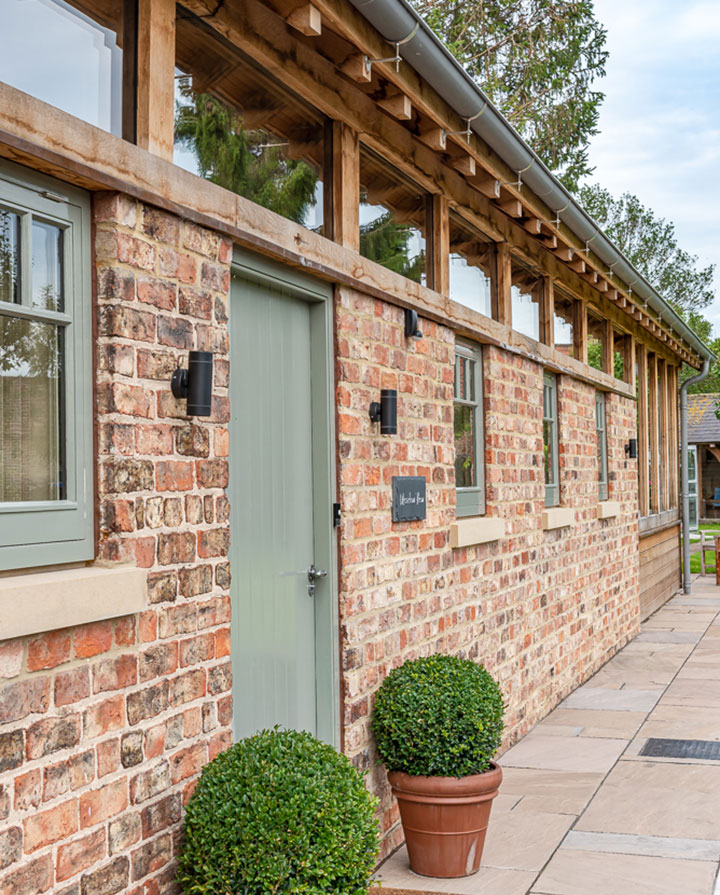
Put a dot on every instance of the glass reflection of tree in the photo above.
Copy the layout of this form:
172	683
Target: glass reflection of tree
387	242
242	160
29	348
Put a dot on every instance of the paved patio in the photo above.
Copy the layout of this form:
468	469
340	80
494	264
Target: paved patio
580	811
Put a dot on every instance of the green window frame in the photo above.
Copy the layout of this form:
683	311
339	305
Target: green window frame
46	485
468	428
601	430
550	441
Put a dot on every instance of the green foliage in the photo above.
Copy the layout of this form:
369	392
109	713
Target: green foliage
279	813
650	244
537	61
251	163
438	716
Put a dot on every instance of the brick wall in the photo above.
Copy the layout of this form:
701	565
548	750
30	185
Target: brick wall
543	610
104	727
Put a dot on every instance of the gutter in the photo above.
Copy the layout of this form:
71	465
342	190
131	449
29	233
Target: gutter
684	492
399	23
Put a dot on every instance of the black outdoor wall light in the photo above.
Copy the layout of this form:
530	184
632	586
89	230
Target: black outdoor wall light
631	449
411	325
385	412
195	383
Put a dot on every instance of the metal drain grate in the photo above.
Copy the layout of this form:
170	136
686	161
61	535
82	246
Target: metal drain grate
704	750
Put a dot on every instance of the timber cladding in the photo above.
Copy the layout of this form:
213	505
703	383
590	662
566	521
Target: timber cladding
660	568
543	610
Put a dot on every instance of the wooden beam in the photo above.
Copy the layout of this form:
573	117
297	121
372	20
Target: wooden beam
547	313
504	284
357	69
307	20
577	264
564	253
156	77
653	434
629	361
512	207
344	186
580	336
488	186
642	361
465	165
608	346
672	401
434	137
398	105
438	228
533	226
663	440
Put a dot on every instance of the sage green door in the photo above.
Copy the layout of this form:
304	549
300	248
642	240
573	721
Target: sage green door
280	489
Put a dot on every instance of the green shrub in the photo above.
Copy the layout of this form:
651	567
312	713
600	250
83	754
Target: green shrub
279	813
440	716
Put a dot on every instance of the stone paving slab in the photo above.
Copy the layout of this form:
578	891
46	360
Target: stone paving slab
554	753
652	846
591	723
625	700
597	873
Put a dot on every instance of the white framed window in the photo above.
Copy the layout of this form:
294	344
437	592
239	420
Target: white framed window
550	441
601	430
46	480
468	426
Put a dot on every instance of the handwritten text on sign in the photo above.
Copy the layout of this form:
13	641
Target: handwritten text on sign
408	500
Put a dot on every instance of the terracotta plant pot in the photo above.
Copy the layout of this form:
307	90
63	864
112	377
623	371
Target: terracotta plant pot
445	820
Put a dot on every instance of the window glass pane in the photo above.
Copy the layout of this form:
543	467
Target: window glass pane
9	257
31	406
550	437
465	470
392	219
564	323
54	52
596	340
548	448
471	259
526	295
601	445
237	127
47	266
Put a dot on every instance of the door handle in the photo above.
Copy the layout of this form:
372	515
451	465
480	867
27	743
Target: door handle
312	575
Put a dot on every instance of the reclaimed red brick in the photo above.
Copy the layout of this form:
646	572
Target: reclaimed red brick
175	332
176	547
174	475
105	716
11	846
51	734
49	826
188	762
195	580
197	649
212	473
195	303
92	639
187	687
80	854
124	832
160	659
150	783
107	880
147	703
161	815
125	631
128	323
28	790
11	658
100	804
48	650
151	856
158	365
131	400
115	674
159	293
68	775
31	878
23	698
108	757
214	542
12	750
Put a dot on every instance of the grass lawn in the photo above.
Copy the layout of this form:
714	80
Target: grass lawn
709	554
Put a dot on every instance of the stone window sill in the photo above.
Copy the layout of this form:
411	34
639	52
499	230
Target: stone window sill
45	601
557	517
608	508
475	530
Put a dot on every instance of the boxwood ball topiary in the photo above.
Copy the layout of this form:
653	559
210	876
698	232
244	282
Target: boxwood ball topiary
278	813
439	716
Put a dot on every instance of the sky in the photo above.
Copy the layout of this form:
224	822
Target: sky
660	121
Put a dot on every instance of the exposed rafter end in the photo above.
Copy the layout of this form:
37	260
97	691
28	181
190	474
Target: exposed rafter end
512	207
356	68
578	265
435	138
488	186
533	226
399	106
465	165
564	253
307	20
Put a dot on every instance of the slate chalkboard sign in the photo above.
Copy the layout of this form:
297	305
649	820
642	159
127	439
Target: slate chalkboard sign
408	498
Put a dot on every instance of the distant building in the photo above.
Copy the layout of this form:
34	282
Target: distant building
704	458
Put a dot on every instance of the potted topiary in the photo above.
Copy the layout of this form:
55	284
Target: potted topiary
279	812
438	722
